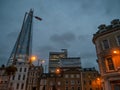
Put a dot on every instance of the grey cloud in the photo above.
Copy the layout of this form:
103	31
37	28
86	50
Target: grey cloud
43	51
63	39
112	7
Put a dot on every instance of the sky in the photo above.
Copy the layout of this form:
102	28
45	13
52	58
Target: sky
66	24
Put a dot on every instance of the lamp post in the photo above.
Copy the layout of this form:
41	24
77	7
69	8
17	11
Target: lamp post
57	72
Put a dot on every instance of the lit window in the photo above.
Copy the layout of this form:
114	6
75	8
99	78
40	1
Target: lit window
78	76
72	75
59	83
105	44
118	39
109	64
66	76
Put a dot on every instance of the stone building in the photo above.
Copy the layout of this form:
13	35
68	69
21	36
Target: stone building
18	81
107	43
74	78
91	79
34	77
3	79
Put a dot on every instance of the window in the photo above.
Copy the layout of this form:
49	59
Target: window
66	88
118	40
109	64
90	82
19	77
78	82
72	88
11	84
78	88
78	76
20	69
22	86
84	82
59	83
72	82
66	76
23	77
72	76
90	88
105	44
17	86
66	82
13	77
24	69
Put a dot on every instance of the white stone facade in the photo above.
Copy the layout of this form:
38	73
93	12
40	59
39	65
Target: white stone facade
19	80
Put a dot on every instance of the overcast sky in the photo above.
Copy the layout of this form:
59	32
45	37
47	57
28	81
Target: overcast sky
66	24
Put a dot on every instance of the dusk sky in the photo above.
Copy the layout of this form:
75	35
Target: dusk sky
66	24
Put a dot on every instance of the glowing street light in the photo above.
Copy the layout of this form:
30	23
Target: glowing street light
116	51
58	71
33	58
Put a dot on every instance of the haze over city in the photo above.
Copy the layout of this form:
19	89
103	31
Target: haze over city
68	24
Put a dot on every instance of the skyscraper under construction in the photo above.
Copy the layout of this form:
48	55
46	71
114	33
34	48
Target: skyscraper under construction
23	46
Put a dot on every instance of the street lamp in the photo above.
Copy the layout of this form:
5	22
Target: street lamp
57	72
32	58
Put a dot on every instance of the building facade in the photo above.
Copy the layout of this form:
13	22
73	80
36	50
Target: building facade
91	79
107	43
70	62
18	81
34	77
74	78
3	79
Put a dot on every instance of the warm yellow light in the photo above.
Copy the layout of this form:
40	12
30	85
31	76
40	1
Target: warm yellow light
33	58
115	52
57	70
98	79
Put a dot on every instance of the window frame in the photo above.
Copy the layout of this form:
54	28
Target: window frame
104	45
108	64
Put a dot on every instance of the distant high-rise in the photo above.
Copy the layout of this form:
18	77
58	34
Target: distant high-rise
107	42
54	59
70	62
22	48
